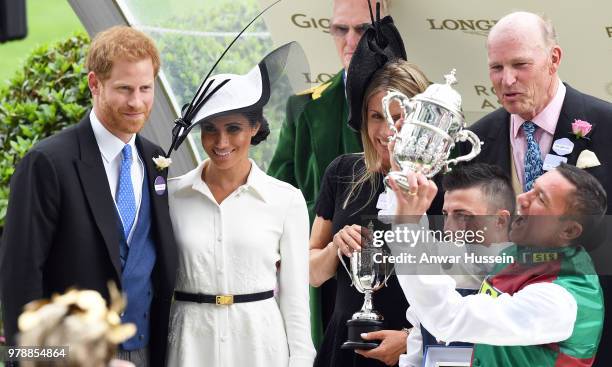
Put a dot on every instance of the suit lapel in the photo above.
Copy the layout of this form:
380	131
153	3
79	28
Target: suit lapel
161	226
573	108
95	186
147	152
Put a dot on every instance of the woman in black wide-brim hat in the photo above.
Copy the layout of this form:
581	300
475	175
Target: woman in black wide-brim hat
349	193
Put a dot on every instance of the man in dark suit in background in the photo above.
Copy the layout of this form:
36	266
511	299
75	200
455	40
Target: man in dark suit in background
543	121
88	205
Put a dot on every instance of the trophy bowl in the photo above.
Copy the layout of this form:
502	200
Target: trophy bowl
367	276
433	123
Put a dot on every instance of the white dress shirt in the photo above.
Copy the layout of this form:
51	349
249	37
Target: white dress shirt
233	248
110	149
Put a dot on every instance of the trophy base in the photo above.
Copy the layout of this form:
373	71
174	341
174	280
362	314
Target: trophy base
358	326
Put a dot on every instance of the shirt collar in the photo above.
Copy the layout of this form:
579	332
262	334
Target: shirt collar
257	182
547	119
110	145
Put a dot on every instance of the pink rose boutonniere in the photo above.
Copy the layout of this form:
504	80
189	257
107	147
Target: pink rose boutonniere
581	128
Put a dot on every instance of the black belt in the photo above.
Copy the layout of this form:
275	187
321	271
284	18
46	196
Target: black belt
226	299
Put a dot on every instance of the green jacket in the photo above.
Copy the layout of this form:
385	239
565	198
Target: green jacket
570	267
314	133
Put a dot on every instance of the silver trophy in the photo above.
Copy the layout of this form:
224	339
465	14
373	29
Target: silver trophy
433	123
368	274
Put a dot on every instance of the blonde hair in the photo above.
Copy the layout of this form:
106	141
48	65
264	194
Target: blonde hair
120	42
397	75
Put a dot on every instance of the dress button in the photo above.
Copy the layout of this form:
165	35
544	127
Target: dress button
476	362
141	337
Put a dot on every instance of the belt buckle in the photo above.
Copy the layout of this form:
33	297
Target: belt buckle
225	300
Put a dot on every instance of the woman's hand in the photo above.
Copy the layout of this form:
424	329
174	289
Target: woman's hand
348	239
393	344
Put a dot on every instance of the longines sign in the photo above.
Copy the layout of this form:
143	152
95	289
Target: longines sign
473	26
440	35
318	78
305	21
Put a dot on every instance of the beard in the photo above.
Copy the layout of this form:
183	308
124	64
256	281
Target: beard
115	119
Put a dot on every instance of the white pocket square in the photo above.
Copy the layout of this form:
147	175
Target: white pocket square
587	159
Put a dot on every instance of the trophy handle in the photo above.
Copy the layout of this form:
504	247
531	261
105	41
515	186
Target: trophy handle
405	103
466	135
345	267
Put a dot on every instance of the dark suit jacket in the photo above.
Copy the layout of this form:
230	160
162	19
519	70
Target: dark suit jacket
494	131
61	229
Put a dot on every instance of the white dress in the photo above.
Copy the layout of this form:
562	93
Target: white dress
233	248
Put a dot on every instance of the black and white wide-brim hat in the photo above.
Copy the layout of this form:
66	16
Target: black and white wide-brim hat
237	93
223	94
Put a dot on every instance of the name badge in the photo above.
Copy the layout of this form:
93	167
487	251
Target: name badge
563	146
551	161
159	185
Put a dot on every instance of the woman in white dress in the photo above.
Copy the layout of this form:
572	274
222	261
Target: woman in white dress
241	235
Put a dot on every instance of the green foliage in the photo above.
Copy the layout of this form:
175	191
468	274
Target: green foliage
187	58
48	21
48	94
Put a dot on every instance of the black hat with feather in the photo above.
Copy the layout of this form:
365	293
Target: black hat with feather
380	43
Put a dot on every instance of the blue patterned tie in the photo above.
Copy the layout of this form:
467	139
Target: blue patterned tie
125	192
533	157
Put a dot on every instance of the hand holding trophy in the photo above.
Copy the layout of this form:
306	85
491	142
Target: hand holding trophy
433	123
368	276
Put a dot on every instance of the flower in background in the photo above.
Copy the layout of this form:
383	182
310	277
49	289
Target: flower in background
581	128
